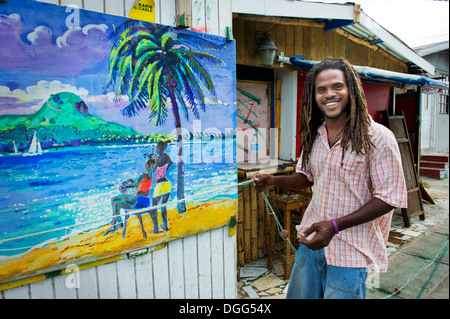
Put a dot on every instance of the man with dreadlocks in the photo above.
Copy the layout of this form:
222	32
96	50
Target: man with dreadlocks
355	167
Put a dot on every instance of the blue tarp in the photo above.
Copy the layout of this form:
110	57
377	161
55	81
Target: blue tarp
379	75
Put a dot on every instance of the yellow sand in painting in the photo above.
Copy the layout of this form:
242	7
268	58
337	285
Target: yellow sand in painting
94	245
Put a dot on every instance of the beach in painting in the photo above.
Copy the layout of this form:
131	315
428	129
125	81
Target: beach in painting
46	194
94	245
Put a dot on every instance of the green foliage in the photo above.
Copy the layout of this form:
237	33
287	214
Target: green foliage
155	64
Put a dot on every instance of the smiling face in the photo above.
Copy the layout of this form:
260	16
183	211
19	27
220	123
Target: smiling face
331	93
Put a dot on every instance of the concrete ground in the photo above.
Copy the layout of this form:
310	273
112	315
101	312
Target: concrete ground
417	261
422	262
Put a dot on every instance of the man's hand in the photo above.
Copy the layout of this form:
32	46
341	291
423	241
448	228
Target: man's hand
324	232
288	182
263	181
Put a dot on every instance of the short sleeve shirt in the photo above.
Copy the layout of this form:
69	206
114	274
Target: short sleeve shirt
341	190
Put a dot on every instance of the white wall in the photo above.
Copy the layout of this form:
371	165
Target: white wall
428	119
434	125
288	114
199	266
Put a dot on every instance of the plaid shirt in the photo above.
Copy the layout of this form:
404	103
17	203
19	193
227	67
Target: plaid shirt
340	190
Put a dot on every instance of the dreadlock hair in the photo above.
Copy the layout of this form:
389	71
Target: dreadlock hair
356	130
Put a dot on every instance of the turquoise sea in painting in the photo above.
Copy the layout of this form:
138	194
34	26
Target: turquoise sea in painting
64	187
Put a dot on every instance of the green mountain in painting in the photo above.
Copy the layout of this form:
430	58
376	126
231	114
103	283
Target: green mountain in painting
63	120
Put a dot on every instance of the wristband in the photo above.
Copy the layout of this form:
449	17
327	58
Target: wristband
336	230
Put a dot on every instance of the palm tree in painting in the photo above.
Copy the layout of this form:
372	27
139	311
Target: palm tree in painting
157	65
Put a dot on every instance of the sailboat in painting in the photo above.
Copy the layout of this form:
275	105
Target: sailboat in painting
16	152
35	147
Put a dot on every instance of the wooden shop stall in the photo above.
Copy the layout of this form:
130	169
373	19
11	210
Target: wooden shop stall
269	95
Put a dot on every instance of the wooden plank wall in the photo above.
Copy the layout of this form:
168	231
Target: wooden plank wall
308	39
199	266
252	225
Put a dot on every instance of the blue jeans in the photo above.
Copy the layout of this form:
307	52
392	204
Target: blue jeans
312	278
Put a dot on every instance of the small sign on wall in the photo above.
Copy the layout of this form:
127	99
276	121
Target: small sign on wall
430	90
143	10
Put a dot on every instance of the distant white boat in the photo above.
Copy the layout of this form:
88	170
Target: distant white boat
16	152
35	147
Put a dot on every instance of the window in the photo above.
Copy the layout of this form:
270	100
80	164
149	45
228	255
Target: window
443	98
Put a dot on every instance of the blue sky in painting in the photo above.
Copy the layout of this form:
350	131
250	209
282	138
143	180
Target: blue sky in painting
44	56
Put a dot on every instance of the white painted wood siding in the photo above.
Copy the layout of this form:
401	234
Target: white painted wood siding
199	266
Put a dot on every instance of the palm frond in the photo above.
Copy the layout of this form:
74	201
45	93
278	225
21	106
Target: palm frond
166	40
202	75
158	103
192	90
130	24
208	58
121	49
200	41
139	61
145	67
182	104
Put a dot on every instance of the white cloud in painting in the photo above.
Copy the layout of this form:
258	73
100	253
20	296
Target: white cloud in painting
62	41
76	50
31	99
100	27
40	33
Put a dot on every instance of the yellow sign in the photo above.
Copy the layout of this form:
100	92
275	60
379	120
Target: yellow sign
143	10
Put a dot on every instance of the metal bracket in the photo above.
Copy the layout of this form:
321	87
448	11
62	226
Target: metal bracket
282	60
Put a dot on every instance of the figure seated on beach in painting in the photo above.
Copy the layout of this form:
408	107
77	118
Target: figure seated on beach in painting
128	201
163	187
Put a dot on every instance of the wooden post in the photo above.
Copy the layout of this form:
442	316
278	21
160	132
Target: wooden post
184	15
270	235
254	224
261	226
247	214
287	247
240	228
278	110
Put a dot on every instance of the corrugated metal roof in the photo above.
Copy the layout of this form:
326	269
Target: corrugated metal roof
359	31
368	29
431	48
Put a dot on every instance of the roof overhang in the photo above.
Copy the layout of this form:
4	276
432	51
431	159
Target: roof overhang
348	17
378	75
427	49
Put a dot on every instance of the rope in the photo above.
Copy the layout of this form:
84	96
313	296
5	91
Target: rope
420	271
434	270
270	211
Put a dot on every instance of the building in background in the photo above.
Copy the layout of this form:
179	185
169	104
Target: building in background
434	102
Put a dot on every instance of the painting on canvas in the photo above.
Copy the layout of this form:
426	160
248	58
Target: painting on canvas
115	135
253	119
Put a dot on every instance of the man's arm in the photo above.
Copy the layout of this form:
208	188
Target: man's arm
373	209
324	230
292	182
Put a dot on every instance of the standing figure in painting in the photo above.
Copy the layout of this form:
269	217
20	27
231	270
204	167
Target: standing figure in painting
169	64
129	201
163	187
